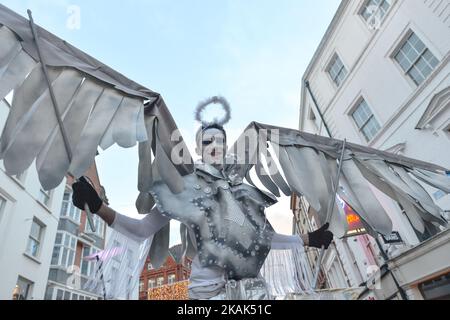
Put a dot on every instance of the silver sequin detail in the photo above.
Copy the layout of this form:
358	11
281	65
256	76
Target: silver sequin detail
207	190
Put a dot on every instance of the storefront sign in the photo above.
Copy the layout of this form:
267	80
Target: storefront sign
394	237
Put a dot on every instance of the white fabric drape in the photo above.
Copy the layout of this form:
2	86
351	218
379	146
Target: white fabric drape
116	276
286	269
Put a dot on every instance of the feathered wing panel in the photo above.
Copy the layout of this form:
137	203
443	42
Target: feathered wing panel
159	161
310	165
188	244
316	183
437	181
396	183
362	199
159	249
52	160
98	107
157	157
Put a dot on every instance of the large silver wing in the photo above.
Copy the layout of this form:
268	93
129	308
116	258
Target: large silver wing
164	156
310	164
98	106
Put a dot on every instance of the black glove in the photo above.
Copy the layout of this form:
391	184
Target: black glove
320	237
84	193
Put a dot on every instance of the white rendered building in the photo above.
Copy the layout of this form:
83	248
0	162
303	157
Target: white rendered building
28	223
381	78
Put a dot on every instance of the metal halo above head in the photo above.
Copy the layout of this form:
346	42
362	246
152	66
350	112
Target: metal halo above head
213	100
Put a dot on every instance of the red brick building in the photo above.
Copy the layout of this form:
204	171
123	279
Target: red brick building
174	270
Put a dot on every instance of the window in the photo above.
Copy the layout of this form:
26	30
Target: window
365	120
45	197
64	250
68	209
49	293
25	288
84	263
149	266
151	283
416	59
336	70
171	279
55	256
160	281
86	266
436	289
35	238
66	295
375	9
141	286
59	294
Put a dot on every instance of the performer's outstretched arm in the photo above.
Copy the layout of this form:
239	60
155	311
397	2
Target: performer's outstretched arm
316	239
107	214
284	242
137	229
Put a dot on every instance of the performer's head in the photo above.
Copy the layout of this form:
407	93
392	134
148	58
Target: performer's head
211	138
211	142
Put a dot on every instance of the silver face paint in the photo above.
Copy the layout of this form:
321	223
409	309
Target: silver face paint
212	146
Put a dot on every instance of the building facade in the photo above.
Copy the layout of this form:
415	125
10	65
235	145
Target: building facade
74	241
29	219
381	77
167	282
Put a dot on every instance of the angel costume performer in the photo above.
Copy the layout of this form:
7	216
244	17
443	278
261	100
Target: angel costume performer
223	220
66	104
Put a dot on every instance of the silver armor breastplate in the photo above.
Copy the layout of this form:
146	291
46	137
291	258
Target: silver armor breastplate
229	223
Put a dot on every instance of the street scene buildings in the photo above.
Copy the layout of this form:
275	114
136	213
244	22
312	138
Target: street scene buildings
75	241
168	282
29	218
381	77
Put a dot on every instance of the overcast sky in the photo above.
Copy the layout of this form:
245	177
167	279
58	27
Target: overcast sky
252	52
